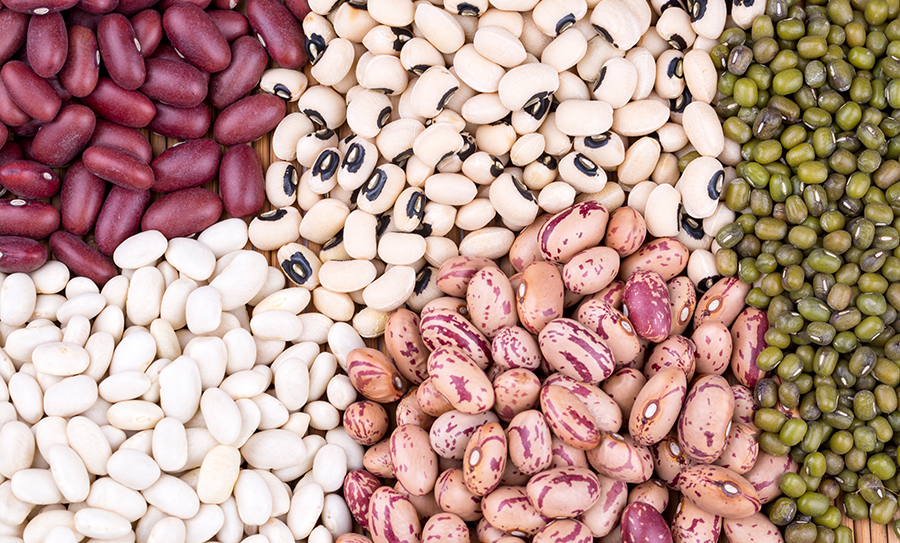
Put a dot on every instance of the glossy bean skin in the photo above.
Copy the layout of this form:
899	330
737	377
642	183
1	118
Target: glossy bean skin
148	31
447	327
620	458
568	418
242	183
196	37
748	337
174	83
405	346
459	379
757	528
613	327
485	459
13	29
81	258
683	301
118	167
97	7
121	137
606	413
706	418
539	296
191	164
181	123
131	7
766	473
666	256
60	140
714	347
572	230
451	431
29	179
530	442
575	350
183	212
279	30
491	301
11	114
377	459
126	107
81	198
646	299
741	449
456	273
393	518
453	496
641	522
509	508
604	515
374	376
27	218
563	492
248	119
657	406
722	302
359	485
32	93
248	62
430	400
21	255
46	44
80	73
591	270
232	24
415	463
120	217
623	387
119	51
673	352
514	347
515	390
719	491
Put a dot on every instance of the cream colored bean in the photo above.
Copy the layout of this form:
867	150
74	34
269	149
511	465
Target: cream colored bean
173	497
640	161
140	250
400	249
35	486
16	448
346	276
18	296
490	242
145	292
392	289
703	129
51	277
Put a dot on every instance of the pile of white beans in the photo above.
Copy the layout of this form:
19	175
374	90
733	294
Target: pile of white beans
179	397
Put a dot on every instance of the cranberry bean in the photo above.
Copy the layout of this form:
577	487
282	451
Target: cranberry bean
60	140
181	123
197	37
405	346
575	350
99	7
374	376
183	212
393	518
606	412
39	7
491	301
248	119
81	258
573	230
359	485
21	255
121	137
81	71
619	457
46	44
748	336
540	295
641	522
148	31
415	463
232	24
118	167
410	412
442	327
514	347
241	181
646	298
719	491
120	217
377	459
666	256
279	31
366	422
485	459
564	492
174	83
120	51
515	391
126	107
81	199
29	179
27	218
530	442
248	62
10	114
13	28
568	418
190	164
29	91
456	273
509	508
450	433
453	496
673	352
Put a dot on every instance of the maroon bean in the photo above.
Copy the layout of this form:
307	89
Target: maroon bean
29	91
248	62
181	123
9	152
174	83
183	212
167	52
80	199
39	7
81	258
232	24
126	107
148	30
46	44
122	137
241	181
190	164
13	28
197	37
119	167
119	218
279	31
10	114
29	179
60	140
300	8
166	4
99	7
27	218
225	4
120	51
78	16
64	95
82	68
27	130
248	119
4	134
131	7
21	255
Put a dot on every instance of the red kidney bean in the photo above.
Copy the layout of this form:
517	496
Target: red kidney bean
300	8
168	52
27	218
81	258
80	199
4	134
120	51
9	152
174	83
241	181
181	123
60	140
99	7
39	7
248	62
46	44
21	255
63	92
190	164
232	24
119	218
119	167
225	4
121	137
78	16
29	91
29	179
196	37
249	119
10	114
27	130
279	30
166	4
148	30
13	28
126	107
82	68
131	7
183	212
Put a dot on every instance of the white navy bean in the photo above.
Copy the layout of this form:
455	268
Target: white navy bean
18	296
50	278
70	396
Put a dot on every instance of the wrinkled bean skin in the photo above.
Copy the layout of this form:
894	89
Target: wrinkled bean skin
31	6
563	492
46	44
530	442
719	491
714	347
509	508
232	24
29	179
181	123
514	347
620	458
683	301
515	390
485	459
453	496
392	518
646	300
446	327
568	418
757	528
248	62
642	523
27	218
60	140
119	51
459	379
674	352
13	29
126	107
118	167
415	463
29	91
121	137
174	83
572	230
196	37
374	376
81	258
666	256
279	30
748	337
248	119
241	181
359	485
21	255
80	199
741	449
120	217
405	346
148	31
576	351
657	406
491	301
722	302
613	327
767	472
191	164
540	296
456	273
705	419
694	525
183	212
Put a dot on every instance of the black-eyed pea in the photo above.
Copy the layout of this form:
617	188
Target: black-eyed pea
476	71
705	136
425	289
299	264
489	242
744	15
508	508
391	514
272	229
401	248
491	301
556	196
691	234
565	50
530	442
572	87
324	106
485	459
475	215
484	108
699	74
741	449
675	28
358	164
653	492
563	492
499	45
604	515
386	40
700	185
482	168
584	117
670	74
334	63
640	117
674	352
748	338
440	28
366	422
569	418
439	249
432	91
527	84
512	200
418	55
367	112
616	82
319	29
708	18
644	62
657	406
702	269
438	219
337	306
582	173
281	184
374	375
618	457
706	418
613	326
665	201
669	460
382	189
554	17
450	189
359	234
391	289
395	141
458	122
527	149
515	390
640	160
607	150
496	139
382	73
672	138
323	176
755	528
694	525
617	24
555	142
288	133
324	220
719	491
313	143
540	173
511	21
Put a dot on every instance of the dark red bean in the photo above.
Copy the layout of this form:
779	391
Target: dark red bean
99	7
174	83
225	4
241	181
29	179
166	4
120	217
131	7
27	130
4	134
190	164
183	212
279	30
63	92
148	30
232	24
249	119
248	62
81	258
126	107
181	123
21	255
122	137
300	8
118	167
39	7
82	68
167	52
78	16
80	199
9	152
46	44
196	37
13	29
30	91
27	218
60	140
10	114
120	51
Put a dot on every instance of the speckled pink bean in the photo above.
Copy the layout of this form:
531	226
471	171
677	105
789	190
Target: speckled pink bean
119	49
445	527
80	73
619	457
121	137
706	418
60	140
453	496
673	352
646	300
120	217
485	459
611	294
744	405
29	179
248	119
563	492
21	255
591	270
29	91
530	442
404	344
666	256
565	455
148	31
122	106
445	327
491	301
366	422
183	212
573	349
626	231
642	523
568	418
604	515
653	492
748	336
459	379
181	123
694	525
13	29
741	449
415	463
613	327
118	167
190	164
377	459
657	406
669	460
392	518
430	400
767	472
515	390
540	295
248	61
196	37
714	346
757	528
359	485
410	412
174	83
572	230
722	302
242	183
451	431
508	508
719	491
46	44
81	258
623	387
606	413
514	347
455	273
564	531
683	301
279	31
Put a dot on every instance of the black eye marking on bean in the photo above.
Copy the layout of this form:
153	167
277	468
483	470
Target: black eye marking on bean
422	281
281	91
539	108
549	161
600	78
497	167
585	165
289	181
326	165
401	36
335	241
402	158
468	148
670	4
563	24
690	225
273	215
354	158
384	90
384	220
315	117
606	35
678	103
714	188
419	69
677	42
384	116
415	207
674	69
596	142
523	190
698	10
375	185
315	46
297	268
446	98
424	230
467	9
